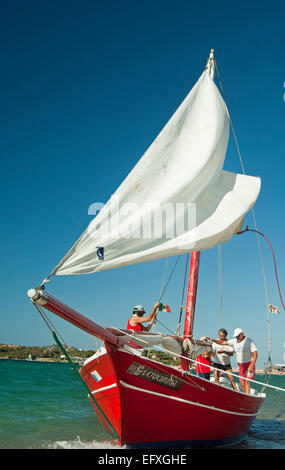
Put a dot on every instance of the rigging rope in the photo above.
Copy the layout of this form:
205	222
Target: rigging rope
163	280
170	331
163	289
274	260
254	219
48	323
170	276
183	292
243	170
220	286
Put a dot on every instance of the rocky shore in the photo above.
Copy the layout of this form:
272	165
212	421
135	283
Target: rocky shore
42	353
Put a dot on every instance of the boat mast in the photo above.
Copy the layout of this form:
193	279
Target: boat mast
194	263
191	301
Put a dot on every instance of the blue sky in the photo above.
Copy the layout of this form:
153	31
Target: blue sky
85	88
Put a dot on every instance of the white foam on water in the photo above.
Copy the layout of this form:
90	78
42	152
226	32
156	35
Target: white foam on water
78	444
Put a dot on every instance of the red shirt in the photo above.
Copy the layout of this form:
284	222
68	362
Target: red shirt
203	367
137	327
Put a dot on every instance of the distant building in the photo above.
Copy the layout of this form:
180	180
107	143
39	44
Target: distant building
278	367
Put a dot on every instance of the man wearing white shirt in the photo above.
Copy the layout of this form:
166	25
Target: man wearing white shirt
246	352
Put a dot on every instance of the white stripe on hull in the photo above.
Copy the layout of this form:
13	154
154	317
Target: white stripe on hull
213	408
105	388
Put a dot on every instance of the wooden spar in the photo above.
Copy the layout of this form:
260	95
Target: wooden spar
111	335
54	305
191	301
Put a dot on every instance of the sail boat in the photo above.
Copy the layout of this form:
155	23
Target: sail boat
143	402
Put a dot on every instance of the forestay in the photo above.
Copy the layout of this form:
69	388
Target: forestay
176	199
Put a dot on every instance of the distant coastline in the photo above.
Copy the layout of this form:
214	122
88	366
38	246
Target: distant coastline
79	361
52	354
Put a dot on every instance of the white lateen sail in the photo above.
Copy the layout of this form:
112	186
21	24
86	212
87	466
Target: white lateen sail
176	199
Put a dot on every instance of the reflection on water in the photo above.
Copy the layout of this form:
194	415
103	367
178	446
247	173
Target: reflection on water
265	434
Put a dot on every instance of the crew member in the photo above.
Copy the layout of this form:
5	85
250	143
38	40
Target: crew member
137	319
221	359
246	352
203	364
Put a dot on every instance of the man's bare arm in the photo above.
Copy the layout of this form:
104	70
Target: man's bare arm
228	353
253	361
217	341
149	316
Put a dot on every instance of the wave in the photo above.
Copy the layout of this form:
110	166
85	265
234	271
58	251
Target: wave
78	444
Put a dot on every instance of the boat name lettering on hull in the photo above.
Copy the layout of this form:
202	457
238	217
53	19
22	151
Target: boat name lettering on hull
160	378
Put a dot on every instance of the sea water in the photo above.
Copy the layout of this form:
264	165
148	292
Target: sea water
45	406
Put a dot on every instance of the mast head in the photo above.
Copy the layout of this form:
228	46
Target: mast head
210	66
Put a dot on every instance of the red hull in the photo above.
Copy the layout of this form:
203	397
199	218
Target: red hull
146	413
153	405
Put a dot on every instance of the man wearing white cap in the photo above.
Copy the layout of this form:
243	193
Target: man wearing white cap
246	352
